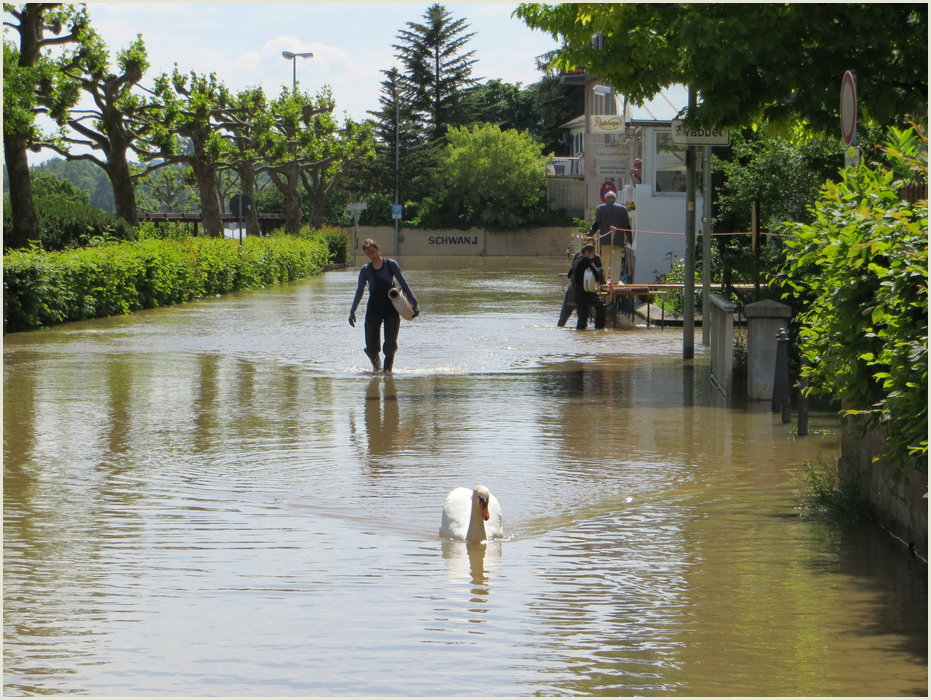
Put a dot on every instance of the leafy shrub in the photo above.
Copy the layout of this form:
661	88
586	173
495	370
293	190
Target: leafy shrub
44	288
163	230
335	241
859	272
66	223
46	186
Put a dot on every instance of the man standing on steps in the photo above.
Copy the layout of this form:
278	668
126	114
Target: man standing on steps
607	216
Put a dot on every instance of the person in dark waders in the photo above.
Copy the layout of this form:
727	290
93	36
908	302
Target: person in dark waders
379	274
586	301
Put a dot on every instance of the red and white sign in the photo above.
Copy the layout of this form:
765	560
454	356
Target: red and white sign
608	186
848	108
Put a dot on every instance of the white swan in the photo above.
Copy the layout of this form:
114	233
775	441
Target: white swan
471	515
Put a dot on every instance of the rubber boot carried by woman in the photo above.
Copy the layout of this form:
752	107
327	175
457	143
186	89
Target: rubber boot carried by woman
380	274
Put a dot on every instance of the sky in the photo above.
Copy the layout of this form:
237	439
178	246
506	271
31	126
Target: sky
351	41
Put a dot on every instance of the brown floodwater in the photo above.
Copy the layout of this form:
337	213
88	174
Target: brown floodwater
220	499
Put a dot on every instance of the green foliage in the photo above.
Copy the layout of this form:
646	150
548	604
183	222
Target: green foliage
488	178
751	62
785	177
378	211
163	231
42	289
859	272
167	189
84	175
65	223
437	70
828	496
50	187
554	104
505	105
335	241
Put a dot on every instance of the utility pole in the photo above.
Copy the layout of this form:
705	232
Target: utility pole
706	252
397	160
688	291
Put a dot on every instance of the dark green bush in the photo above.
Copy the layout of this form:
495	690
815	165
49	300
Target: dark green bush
45	288
69	224
335	241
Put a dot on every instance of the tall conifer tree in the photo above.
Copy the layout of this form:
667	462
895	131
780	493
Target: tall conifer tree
438	70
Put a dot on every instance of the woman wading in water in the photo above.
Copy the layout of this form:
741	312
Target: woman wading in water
379	274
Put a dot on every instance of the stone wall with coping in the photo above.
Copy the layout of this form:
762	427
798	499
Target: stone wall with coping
899	506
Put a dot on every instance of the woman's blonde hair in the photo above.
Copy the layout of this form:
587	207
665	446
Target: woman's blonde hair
369	243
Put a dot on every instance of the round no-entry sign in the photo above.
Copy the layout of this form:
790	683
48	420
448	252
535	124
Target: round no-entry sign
848	108
608	186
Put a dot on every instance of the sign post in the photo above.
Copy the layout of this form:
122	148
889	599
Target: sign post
396	213
355	209
690	138
848	118
240	205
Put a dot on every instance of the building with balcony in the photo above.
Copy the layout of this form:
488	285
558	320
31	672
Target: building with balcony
605	141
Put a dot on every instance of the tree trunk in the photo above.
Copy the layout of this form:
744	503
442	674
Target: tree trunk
318	198
209	198
25	223
124	192
292	200
247	182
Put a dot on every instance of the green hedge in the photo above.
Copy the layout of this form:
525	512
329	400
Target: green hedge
42	289
335	240
859	272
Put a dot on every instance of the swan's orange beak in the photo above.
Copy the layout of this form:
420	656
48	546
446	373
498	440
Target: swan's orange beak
483	508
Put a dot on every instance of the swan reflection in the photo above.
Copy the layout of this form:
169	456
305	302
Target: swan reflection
468	559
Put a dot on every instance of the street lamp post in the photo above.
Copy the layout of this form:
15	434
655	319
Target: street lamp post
293	58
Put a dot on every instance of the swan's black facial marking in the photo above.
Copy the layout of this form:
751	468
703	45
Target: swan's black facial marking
483	502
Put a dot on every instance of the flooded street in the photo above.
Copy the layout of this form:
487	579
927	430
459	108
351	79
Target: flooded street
221	499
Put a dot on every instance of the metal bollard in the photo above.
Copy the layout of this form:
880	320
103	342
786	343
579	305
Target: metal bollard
802	406
781	388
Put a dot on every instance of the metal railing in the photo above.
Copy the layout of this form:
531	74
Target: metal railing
565	167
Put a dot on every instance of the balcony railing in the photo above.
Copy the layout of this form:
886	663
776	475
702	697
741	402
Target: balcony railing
565	167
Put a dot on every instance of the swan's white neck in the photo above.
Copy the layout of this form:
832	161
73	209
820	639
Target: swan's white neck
476	523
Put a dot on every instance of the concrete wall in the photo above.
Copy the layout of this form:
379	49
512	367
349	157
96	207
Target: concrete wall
899	506
537	242
764	320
